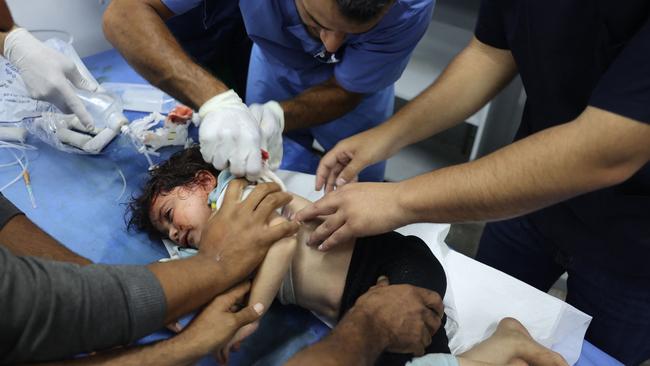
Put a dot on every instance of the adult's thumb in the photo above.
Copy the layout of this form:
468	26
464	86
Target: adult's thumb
249	314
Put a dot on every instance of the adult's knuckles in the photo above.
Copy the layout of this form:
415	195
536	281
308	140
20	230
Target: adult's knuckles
264	189
273	200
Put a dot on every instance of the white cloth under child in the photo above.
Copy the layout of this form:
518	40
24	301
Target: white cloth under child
434	359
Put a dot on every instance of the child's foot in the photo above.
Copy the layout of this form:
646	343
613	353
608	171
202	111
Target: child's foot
512	345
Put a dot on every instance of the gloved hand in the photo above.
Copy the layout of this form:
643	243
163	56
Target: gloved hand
271	118
48	74
230	136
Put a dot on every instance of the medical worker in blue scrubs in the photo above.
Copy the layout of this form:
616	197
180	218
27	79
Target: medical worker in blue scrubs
321	70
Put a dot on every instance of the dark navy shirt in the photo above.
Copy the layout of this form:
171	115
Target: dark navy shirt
572	54
205	28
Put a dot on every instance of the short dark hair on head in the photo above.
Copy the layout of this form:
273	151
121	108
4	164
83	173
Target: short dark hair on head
179	170
362	11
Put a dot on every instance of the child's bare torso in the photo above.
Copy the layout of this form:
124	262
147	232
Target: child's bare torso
318	277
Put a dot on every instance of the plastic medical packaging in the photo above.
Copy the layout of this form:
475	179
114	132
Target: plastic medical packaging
45	121
66	133
141	97
105	108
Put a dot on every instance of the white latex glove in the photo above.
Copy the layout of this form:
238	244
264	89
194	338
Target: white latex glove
271	117
48	74
229	135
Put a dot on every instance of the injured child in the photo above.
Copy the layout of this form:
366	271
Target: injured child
181	195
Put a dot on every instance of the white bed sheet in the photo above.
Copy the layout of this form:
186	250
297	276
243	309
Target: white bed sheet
479	296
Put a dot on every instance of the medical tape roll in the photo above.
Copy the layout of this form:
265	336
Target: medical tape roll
13	134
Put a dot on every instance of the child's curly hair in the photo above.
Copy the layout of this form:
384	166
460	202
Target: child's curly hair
179	170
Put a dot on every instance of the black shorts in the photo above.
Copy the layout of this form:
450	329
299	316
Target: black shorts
404	260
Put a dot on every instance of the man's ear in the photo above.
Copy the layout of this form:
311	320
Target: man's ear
205	179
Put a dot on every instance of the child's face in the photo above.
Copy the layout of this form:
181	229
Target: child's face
182	213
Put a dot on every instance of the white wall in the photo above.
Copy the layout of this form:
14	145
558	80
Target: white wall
81	18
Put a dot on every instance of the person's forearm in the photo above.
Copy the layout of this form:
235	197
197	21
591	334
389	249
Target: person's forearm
208	332
472	79
354	341
177	351
23	238
319	104
6	24
597	150
138	31
191	283
95	307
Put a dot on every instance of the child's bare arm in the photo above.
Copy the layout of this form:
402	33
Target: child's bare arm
277	261
265	285
273	269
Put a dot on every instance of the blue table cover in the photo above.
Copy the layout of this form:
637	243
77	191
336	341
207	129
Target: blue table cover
82	203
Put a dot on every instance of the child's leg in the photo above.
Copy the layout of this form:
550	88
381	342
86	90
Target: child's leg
511	344
404	260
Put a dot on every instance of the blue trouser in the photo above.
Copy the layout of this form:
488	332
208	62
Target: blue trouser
269	80
619	304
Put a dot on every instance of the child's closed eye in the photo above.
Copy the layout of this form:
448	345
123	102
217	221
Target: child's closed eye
169	215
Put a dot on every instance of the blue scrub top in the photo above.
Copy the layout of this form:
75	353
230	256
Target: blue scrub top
572	54
286	60
368	62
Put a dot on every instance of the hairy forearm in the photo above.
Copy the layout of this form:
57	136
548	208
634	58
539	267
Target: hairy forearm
319	104
472	79
354	341
23	238
597	150
138	31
